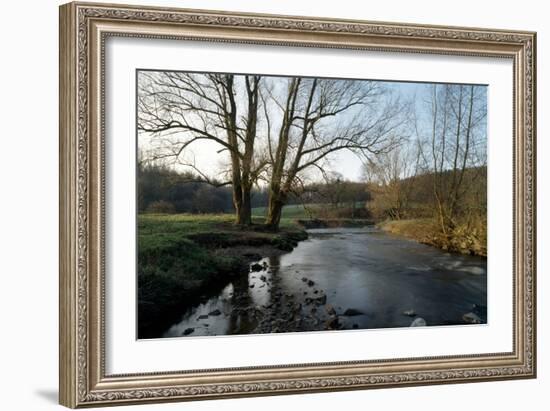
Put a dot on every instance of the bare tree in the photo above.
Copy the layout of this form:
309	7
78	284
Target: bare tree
319	117
455	145
392	175
178	109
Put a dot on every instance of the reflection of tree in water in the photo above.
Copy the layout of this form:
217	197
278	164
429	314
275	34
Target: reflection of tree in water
243	318
261	305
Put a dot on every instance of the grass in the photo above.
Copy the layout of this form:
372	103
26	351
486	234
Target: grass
468	237
301	211
417	229
290	211
182	256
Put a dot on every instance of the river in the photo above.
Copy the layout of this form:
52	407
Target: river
345	278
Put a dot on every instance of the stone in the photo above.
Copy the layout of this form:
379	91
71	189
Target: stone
311	283
330	309
471	318
256	267
350	312
215	312
419	322
202	317
332	323
188	331
321	300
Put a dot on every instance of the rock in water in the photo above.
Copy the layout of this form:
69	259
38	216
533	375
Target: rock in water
419	322
256	267
215	312
321	300
188	331
332	323
471	318
330	309
409	313
350	312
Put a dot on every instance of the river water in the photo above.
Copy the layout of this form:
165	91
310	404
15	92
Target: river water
345	278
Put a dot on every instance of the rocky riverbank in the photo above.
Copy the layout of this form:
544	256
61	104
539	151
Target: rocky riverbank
306	310
178	269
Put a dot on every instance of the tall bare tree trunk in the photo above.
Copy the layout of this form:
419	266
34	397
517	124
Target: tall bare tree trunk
275	210
237	186
277	197
247	179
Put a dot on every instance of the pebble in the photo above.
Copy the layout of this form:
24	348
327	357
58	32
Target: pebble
350	312
419	322
471	318
330	309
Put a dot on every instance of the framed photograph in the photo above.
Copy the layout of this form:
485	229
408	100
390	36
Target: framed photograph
259	204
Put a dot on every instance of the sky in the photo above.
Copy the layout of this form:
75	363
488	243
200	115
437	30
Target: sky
350	165
205	154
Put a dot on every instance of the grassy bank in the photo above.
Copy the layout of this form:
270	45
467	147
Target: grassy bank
182	257
465	238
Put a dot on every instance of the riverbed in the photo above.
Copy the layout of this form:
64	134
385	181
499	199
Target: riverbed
345	278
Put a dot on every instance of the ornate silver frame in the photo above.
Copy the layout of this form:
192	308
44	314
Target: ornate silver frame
83	30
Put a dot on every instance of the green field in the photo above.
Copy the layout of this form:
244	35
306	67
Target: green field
297	211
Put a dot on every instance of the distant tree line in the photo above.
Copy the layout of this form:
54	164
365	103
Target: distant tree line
162	189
